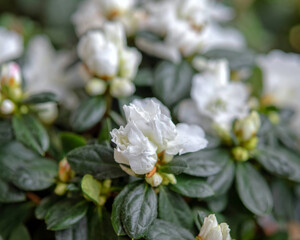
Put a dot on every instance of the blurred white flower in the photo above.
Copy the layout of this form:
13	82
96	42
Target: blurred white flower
150	132
214	96
92	14
46	70
11	45
11	75
210	229
281	75
185	28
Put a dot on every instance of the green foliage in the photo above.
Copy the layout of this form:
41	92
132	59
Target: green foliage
43	97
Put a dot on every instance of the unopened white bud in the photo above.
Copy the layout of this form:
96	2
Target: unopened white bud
155	180
247	128
11	75
7	107
95	87
121	88
47	112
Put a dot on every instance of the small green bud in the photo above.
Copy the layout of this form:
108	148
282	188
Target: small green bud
274	117
154	180
251	144
240	154
61	189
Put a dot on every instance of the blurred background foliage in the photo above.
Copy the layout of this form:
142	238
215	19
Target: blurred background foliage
266	24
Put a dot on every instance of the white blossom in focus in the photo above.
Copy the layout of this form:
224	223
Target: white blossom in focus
11	45
149	132
214	96
211	230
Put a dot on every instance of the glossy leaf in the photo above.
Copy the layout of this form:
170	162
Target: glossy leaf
43	97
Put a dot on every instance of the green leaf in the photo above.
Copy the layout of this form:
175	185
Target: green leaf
205	162
12	215
144	78
91	188
218	203
173	209
172	83
117	208
30	132
8	193
139	210
280	161
164	230
41	98
71	141
76	232
192	187
96	160
20	233
237	58
25	168
65	213
253	189
106	127
88	114
222	181
6	131
256	82
44	206
176	166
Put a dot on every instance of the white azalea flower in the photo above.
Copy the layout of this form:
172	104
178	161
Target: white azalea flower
210	229
93	14
46	70
214	96
150	132
11	45
182	27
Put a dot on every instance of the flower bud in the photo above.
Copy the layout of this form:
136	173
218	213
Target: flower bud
47	112
7	107
168	178
121	88
154	180
166	158
247	128
95	87
65	173
274	117
240	154
61	189
11	75
251	144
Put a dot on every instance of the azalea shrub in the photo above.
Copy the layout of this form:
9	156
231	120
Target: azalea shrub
150	119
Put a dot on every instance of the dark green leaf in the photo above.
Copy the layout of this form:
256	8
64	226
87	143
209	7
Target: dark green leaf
30	132
222	181
117	207
71	141
237	58
144	78
76	232
139	210
96	160
173	209
106	127
8	193
164	230
253	189
218	203
44	206
12	215
20	233
41	98
6	131
192	187
25	168
172	83
89	113
280	161
205	162
65	213
256	82
176	166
